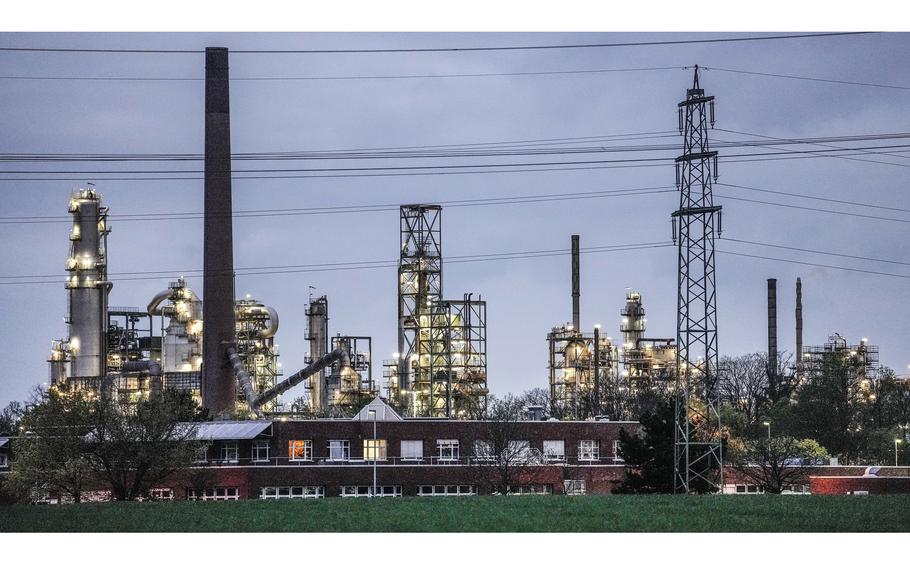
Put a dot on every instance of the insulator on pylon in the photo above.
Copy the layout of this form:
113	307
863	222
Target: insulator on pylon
711	112
715	167
673	229
720	223
680	120
678	180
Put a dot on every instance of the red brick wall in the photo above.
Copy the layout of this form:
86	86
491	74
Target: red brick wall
820	485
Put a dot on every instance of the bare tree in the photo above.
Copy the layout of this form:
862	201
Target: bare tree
502	457
775	463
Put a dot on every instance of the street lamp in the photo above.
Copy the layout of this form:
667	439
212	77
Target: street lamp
374	444
768	424
896	442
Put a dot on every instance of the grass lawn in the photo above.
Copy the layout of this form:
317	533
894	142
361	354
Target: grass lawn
620	513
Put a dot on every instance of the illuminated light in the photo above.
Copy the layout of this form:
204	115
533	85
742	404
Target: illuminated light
397	355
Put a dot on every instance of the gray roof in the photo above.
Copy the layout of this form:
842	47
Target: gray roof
229	429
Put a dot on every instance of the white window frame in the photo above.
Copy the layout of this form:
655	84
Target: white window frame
161	494
616	456
519	451
483	451
229	448
575	486
367	491
256	451
380	444
344	446
307	450
446	490
448	450
588	450
216	494
292	492
411	454
531	489
554	451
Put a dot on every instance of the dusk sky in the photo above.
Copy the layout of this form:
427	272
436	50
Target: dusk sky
526	297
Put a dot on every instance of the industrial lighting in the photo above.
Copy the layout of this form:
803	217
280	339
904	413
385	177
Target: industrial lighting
596	326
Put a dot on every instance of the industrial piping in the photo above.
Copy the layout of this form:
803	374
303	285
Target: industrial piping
246	383
576	285
340	354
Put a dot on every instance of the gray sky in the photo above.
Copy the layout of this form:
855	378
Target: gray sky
525	297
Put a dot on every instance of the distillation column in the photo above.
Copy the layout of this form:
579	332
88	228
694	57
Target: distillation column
317	314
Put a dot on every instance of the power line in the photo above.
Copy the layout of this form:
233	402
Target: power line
815	197
346	77
816	209
280	212
802	78
826	253
835	267
438	49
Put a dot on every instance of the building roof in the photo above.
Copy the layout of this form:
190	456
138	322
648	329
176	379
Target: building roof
229	429
384	412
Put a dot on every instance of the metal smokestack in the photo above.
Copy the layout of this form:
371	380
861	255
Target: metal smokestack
576	286
772	328
799	322
219	393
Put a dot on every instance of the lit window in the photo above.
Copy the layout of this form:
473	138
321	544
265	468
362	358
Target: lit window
374	450
448	450
300	450
412	450
588	450
554	450
260	451
230	452
339	450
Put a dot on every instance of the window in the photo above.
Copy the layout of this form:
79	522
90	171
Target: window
295	492
374	450
300	450
519	451
4	460
215	494
749	489
367	491
574	486
616	456
412	450
201	454
588	450
483	451
443	490
554	450
230	452
535	489
260	451
448	450
339	450
161	494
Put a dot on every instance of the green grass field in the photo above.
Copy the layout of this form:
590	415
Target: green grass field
611	513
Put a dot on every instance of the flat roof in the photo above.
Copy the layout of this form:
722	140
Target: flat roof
229	429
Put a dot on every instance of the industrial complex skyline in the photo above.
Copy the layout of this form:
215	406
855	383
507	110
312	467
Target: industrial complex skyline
66	103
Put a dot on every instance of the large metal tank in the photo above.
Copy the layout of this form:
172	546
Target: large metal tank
87	284
317	333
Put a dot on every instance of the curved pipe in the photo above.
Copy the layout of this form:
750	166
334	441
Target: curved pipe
152	308
272	328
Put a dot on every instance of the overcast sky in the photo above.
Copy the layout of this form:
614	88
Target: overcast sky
526	297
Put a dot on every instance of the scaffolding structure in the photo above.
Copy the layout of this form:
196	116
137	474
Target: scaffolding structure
697	446
440	369
583	372
859	361
255	326
130	337
349	382
647	362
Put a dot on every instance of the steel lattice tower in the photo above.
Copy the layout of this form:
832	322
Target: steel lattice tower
697	445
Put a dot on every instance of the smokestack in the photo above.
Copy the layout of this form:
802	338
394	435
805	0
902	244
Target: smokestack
772	323
219	393
799	322
576	286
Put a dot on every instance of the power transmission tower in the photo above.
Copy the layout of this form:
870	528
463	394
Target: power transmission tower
697	447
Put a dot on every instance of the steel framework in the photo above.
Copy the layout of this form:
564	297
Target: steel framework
697	445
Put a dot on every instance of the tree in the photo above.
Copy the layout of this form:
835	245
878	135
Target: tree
775	463
50	452
648	454
502	457
134	450
10	417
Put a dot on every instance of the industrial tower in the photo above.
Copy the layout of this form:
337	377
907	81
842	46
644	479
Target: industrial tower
697	444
